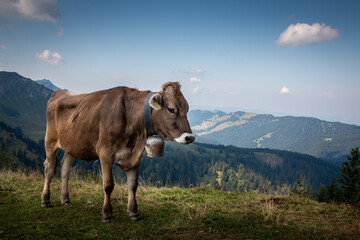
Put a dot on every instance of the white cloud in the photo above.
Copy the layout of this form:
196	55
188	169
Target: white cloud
53	58
194	79
197	70
194	71
1	67
42	10
196	89
2	46
60	32
302	34
285	90
328	93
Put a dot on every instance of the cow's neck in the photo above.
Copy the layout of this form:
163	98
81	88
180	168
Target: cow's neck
150	131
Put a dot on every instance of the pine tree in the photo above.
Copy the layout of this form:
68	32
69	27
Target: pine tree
350	178
299	188
330	193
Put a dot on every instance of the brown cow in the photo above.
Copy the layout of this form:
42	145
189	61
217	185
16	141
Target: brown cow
109	125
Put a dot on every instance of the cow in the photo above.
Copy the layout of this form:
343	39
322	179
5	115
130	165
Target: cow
110	125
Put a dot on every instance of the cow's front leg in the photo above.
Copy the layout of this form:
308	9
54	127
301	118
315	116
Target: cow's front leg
132	182
49	172
108	185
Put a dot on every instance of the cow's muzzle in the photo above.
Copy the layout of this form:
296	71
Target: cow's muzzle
185	138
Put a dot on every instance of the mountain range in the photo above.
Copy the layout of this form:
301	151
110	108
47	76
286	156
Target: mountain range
327	140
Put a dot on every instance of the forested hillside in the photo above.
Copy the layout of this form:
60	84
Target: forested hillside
18	151
232	168
23	104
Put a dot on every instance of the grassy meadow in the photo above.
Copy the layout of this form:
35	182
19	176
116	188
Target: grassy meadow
166	213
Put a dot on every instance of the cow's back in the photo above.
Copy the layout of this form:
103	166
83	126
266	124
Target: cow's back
76	121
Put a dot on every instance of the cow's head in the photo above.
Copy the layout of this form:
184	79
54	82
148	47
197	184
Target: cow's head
169	114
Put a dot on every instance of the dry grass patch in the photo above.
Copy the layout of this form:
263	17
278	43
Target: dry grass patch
271	207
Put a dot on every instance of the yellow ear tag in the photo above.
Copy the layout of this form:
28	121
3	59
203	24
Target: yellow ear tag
157	105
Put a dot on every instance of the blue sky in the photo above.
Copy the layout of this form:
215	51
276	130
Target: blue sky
284	57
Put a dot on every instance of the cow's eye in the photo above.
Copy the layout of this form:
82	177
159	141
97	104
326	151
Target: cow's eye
171	110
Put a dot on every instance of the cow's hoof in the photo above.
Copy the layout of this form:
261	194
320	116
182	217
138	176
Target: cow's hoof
107	220
46	205
67	203
135	218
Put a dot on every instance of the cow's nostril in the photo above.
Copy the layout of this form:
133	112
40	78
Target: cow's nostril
189	139
185	138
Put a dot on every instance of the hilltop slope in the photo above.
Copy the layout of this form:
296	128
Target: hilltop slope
329	140
166	213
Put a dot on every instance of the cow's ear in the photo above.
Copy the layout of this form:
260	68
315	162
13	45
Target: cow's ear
156	101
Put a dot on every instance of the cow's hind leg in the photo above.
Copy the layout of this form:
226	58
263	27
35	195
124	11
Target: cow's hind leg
108	185
132	182
49	171
66	163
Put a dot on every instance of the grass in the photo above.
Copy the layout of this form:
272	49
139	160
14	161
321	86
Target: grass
166	213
